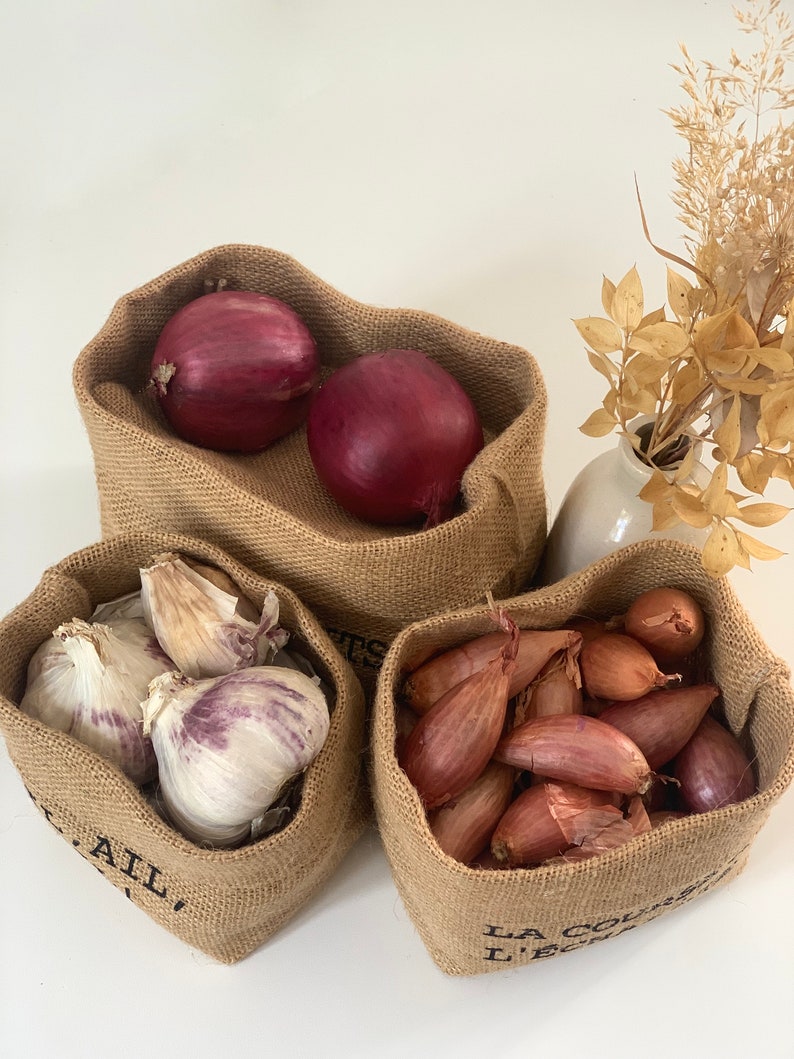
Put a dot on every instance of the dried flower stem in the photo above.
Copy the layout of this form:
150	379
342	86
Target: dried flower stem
722	369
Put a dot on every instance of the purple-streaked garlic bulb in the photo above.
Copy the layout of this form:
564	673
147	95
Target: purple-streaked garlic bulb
226	746
89	680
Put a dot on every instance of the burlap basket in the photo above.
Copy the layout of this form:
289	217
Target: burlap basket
225	903
364	582
475	921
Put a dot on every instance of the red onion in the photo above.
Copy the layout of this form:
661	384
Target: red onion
390	435
235	370
713	769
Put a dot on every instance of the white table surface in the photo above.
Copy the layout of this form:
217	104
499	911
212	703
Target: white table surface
473	160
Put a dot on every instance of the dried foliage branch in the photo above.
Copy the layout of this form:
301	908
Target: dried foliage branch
716	363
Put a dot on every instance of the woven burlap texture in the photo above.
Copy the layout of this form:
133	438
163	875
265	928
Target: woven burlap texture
225	903
476	921
364	582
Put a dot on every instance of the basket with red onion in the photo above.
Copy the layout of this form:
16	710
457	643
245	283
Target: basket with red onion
554	769
334	445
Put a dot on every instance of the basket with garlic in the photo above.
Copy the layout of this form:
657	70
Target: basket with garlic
192	731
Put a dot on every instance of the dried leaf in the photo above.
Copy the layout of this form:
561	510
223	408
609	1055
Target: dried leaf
686	466
654	317
717	487
665	339
690	509
728	434
688	382
741	384
627	303
599	424
664	518
656	489
601	335
607	295
783	467
777	413
708	332
730	361
765	514
739	334
638	401
721	550
773	357
754	471
757	548
602	364
678	288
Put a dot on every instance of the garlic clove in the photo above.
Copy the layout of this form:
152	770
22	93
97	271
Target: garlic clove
227	746
89	680
245	608
199	624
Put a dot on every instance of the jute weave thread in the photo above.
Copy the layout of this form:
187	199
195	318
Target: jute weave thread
225	903
476	921
364	582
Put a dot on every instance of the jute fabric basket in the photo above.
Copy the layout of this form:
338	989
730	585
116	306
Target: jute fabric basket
475	921
364	582
224	902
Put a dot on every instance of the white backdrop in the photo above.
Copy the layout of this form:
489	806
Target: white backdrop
473	160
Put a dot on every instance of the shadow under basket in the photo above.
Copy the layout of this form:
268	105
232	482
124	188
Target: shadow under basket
474	921
364	582
224	902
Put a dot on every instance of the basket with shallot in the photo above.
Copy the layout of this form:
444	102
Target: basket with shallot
555	769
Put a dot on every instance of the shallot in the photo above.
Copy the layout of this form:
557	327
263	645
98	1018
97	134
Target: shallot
713	769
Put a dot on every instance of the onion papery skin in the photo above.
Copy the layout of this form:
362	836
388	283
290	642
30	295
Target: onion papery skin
235	371
390	435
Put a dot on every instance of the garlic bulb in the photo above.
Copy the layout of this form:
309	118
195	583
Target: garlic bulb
226	746
89	680
115	610
203	626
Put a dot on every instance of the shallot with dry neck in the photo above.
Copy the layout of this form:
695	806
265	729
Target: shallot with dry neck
452	743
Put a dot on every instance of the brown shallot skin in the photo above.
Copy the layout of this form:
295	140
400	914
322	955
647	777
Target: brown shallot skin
434	678
530	833
617	832
553	691
616	666
589	628
577	749
464	825
451	744
663	721
668	621
713	770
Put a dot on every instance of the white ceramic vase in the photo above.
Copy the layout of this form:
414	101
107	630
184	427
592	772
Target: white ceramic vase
602	512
